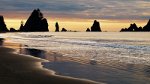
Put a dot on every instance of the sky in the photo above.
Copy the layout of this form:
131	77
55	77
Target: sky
79	14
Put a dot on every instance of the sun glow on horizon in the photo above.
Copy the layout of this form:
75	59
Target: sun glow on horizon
80	24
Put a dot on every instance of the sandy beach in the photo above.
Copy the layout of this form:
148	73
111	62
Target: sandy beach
21	69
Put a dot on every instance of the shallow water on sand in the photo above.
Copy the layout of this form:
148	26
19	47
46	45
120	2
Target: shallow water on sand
113	58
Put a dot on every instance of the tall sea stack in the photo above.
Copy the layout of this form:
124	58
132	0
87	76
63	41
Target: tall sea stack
35	23
57	27
3	27
96	27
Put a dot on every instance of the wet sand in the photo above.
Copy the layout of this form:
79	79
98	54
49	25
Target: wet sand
23	69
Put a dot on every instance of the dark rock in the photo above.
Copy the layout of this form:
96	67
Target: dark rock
13	30
57	27
147	26
140	29
3	27
64	30
21	26
133	28
88	30
123	30
35	23
96	27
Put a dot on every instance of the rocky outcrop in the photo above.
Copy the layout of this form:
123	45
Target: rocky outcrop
57	27
35	23
147	26
88	30
21	26
13	30
64	30
134	28
3	27
96	27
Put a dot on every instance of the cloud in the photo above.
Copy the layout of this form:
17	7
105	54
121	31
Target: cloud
91	9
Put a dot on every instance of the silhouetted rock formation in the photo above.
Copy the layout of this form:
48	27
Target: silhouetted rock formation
35	23
57	27
3	27
13	30
64	30
88	30
21	26
96	27
134	28
147	26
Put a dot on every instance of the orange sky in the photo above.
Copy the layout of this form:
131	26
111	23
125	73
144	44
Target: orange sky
79	14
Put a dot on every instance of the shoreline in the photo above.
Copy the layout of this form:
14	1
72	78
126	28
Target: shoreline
65	64
23	68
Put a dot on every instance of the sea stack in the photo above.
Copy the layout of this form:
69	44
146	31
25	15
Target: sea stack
13	30
133	28
147	26
64	30
35	23
3	27
57	27
96	27
88	30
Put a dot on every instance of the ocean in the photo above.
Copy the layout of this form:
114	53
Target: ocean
109	57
